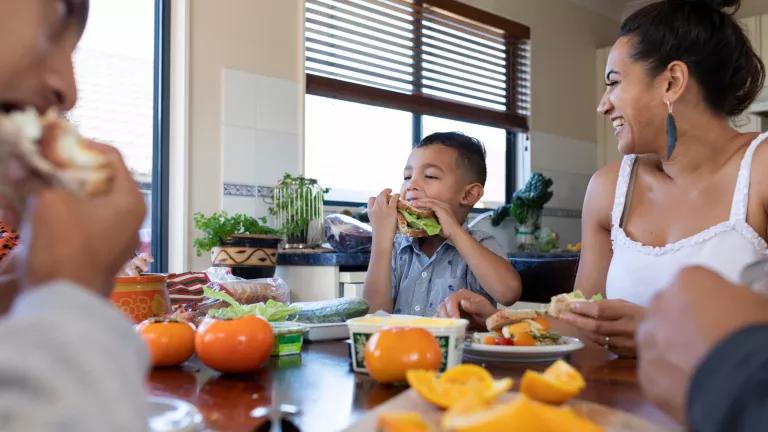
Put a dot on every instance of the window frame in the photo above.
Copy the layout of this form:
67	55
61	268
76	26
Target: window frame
419	105
161	135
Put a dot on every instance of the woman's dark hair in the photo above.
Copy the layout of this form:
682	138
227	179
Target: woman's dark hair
471	152
708	40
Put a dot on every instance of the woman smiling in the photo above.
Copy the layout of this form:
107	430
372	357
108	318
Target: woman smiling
686	192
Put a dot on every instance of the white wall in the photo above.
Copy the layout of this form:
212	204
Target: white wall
564	41
245	101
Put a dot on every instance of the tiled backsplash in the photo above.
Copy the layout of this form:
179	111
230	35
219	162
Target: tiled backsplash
260	133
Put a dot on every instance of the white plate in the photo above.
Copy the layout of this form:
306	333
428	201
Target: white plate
167	414
505	353
327	331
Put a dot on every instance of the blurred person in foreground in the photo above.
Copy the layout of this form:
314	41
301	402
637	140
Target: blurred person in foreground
702	355
68	359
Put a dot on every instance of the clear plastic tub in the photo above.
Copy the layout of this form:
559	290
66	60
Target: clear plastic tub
289	338
448	332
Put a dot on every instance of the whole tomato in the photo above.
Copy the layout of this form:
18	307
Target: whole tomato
391	352
234	345
170	342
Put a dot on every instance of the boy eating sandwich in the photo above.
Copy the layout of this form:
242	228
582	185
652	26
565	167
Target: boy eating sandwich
435	254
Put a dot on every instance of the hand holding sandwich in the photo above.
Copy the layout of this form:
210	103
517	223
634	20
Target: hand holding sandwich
82	239
448	223
610	323
382	211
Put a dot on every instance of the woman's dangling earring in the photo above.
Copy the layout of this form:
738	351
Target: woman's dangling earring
671	131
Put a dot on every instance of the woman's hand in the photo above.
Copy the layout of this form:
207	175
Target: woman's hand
610	323
382	211
469	305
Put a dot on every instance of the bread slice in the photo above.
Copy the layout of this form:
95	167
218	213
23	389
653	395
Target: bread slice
406	206
559	304
48	150
509	316
402	224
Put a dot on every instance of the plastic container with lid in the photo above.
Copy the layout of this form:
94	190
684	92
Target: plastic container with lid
289	337
448	332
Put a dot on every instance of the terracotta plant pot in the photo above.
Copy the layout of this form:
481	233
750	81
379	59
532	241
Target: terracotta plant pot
250	256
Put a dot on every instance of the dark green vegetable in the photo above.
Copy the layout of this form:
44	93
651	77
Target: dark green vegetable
530	198
331	311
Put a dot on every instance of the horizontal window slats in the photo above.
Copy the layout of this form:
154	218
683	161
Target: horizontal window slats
436	59
332	38
369	30
357	60
431	50
386	59
363	79
341	10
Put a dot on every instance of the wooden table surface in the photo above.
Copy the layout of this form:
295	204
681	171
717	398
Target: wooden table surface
331	397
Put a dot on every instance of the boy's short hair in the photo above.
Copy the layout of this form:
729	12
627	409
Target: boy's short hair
471	152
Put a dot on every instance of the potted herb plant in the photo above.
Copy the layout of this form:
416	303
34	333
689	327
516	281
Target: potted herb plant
244	243
297	206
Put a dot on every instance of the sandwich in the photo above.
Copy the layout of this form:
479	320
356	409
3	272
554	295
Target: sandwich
522	327
47	150
505	317
415	222
560	302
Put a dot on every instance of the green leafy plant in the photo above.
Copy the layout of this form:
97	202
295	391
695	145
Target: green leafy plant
298	213
220	226
531	198
271	311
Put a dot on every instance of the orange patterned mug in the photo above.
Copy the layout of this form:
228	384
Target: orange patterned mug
141	297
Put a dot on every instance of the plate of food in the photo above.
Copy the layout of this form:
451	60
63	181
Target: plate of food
519	335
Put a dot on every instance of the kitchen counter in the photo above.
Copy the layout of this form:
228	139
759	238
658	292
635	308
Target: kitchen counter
323	275
361	259
323	259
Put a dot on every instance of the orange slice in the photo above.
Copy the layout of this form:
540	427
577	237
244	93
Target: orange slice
458	384
467	374
404	421
523	339
522	414
559	383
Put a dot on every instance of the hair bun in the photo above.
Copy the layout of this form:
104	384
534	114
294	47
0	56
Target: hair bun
722	4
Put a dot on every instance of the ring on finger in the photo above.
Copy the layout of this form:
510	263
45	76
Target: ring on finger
607	342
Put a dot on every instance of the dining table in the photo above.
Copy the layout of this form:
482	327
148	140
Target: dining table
329	396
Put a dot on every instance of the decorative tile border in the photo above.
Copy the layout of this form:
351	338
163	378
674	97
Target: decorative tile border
561	212
251	191
241	190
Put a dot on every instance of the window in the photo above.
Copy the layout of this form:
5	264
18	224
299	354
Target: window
495	141
381	74
373	137
118	70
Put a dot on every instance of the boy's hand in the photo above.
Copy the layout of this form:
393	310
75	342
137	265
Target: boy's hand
448	223
382	211
467	304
